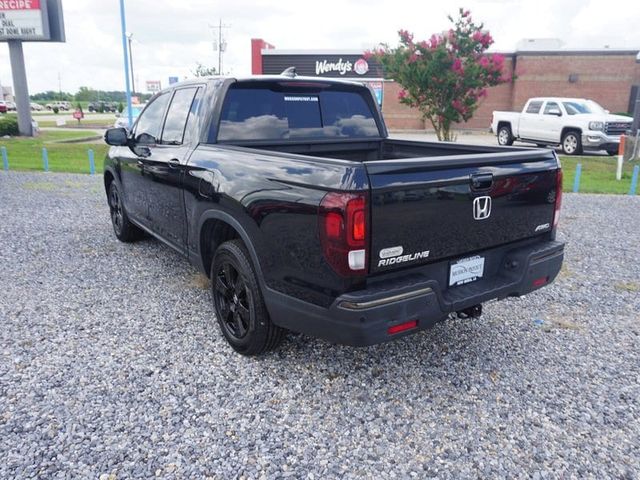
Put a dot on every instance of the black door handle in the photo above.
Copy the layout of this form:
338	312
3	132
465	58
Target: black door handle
174	163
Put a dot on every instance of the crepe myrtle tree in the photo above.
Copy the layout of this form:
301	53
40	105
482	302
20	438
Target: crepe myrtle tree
445	76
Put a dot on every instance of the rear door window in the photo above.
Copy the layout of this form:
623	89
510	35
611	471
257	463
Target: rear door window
174	125
264	113
534	107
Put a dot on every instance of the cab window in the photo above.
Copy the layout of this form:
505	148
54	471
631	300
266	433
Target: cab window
534	107
179	111
551	108
149	122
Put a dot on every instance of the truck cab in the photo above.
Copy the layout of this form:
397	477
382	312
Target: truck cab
575	124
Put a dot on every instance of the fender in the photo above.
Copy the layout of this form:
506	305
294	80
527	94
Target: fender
226	217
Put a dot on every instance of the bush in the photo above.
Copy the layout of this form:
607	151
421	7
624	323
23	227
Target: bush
9	125
120	107
55	109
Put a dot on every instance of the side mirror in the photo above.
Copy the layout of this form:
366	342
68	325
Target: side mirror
118	137
557	113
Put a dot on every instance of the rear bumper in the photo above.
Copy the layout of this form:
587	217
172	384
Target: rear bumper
364	317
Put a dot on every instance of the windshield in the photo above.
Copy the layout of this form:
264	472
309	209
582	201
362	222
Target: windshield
577	107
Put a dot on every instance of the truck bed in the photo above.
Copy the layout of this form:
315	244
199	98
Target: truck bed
372	150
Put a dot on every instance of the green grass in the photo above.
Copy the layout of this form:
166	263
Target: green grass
26	153
598	175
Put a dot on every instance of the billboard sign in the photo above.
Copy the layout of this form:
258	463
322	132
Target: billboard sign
24	20
353	66
153	86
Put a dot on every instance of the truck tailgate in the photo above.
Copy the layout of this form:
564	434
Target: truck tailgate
429	209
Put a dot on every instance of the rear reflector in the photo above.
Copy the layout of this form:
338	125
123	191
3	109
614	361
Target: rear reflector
402	327
538	282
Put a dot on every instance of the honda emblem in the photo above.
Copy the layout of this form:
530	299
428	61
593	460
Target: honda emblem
481	208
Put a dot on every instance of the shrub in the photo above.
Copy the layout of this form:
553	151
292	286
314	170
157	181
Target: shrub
55	109
447	75
120	107
9	125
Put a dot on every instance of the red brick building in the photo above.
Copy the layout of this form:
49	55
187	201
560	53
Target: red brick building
610	77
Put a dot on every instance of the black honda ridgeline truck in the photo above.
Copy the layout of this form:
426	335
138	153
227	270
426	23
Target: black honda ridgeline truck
287	192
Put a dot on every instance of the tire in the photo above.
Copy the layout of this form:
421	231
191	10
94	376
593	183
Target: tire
505	137
571	143
238	302
125	230
612	153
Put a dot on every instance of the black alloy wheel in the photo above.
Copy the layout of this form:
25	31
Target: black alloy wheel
238	302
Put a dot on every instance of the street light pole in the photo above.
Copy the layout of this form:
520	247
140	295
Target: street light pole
123	26
133	83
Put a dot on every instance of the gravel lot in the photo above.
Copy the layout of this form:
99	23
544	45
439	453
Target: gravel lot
112	366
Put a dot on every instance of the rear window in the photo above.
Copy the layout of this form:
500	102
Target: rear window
263	113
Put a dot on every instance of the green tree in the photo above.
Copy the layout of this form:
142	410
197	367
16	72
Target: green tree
446	76
202	71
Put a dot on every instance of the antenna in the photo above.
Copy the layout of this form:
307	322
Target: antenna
290	72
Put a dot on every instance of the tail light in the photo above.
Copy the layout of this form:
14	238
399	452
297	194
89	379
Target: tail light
343	232
556	215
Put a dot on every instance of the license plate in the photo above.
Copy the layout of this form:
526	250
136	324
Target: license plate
466	270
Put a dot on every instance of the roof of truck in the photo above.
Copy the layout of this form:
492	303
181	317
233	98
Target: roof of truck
265	78
559	99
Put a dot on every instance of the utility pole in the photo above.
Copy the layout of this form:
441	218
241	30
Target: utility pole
220	45
133	83
21	91
125	58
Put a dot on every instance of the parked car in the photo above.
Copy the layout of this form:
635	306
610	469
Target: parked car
36	107
11	106
576	124
287	192
63	106
108	107
122	119
3	106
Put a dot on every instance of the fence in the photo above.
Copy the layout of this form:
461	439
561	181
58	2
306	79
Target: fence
45	159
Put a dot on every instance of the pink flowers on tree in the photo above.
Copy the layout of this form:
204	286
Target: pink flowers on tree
445	76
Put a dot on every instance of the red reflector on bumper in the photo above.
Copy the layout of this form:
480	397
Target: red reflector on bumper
402	327
538	282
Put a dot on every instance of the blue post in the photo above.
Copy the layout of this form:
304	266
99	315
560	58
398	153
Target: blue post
45	159
576	180
5	159
92	163
634	180
125	51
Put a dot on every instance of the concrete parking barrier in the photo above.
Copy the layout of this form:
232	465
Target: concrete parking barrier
92	163
45	159
5	158
576	179
634	180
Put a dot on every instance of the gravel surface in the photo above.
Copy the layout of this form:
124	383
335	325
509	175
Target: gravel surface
111	365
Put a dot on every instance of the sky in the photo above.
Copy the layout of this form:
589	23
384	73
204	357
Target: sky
170	36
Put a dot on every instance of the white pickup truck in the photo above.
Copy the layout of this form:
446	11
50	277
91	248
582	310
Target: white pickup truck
576	124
